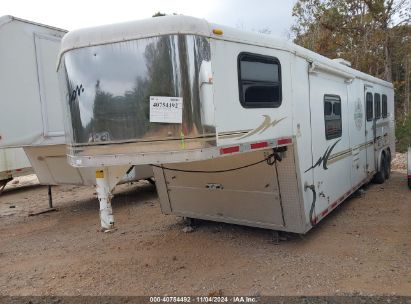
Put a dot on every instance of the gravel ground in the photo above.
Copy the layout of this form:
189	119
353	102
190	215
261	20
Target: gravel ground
399	163
362	248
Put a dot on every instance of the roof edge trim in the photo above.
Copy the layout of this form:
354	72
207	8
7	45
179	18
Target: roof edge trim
137	37
10	18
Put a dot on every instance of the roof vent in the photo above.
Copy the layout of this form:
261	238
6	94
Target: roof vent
342	61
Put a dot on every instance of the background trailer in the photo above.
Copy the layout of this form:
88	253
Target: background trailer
242	127
32	115
13	163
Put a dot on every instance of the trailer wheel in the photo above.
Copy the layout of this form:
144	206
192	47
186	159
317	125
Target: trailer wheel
379	177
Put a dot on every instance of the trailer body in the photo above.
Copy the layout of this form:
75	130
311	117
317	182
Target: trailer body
242	127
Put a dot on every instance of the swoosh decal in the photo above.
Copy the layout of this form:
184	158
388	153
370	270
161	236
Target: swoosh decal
267	123
324	158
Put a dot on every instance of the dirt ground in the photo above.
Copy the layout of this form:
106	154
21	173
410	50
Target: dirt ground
362	248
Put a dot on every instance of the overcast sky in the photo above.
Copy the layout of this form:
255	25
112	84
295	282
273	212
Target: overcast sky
250	15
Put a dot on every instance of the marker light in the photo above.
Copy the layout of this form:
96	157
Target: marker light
217	32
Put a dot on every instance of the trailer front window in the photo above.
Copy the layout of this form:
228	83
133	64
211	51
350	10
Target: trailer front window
109	88
259	81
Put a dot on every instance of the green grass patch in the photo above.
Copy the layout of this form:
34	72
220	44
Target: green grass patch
403	134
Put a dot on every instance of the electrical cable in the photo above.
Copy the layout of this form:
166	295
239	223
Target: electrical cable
312	220
270	159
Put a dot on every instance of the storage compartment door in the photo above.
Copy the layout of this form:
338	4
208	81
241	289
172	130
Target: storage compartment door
248	196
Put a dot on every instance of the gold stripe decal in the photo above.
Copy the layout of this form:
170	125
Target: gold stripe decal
341	153
267	123
348	152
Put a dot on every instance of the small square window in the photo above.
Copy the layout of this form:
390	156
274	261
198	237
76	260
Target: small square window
332	116
369	106
384	106
259	81
377	106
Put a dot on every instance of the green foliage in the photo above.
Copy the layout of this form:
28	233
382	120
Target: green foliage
374	35
403	134
360	31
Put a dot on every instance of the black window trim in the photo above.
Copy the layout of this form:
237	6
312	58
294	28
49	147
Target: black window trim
270	59
372	106
337	135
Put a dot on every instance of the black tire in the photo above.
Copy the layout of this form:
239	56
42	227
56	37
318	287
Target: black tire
379	177
387	166
409	183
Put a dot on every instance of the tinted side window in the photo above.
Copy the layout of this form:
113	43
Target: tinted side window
384	106
377	105
259	81
332	116
369	106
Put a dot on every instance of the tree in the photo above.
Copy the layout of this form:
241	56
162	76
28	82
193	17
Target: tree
374	35
159	14
358	30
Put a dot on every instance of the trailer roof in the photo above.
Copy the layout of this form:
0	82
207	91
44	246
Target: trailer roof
179	24
8	18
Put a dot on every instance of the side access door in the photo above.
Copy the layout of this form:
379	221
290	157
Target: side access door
356	118
331	153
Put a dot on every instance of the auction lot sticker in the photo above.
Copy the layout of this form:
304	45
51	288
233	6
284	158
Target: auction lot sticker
166	109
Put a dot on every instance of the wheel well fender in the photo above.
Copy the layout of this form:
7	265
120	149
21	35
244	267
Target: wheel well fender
389	153
381	153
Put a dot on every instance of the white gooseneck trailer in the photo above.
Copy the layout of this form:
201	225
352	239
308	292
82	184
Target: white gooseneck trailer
241	127
31	115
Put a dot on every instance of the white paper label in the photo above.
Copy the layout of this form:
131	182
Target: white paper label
166	109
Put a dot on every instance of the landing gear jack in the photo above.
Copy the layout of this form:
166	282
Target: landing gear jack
279	236
50	208
106	180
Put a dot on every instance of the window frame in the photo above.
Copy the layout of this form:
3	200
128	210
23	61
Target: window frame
377	106
372	106
384	106
339	134
268	59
